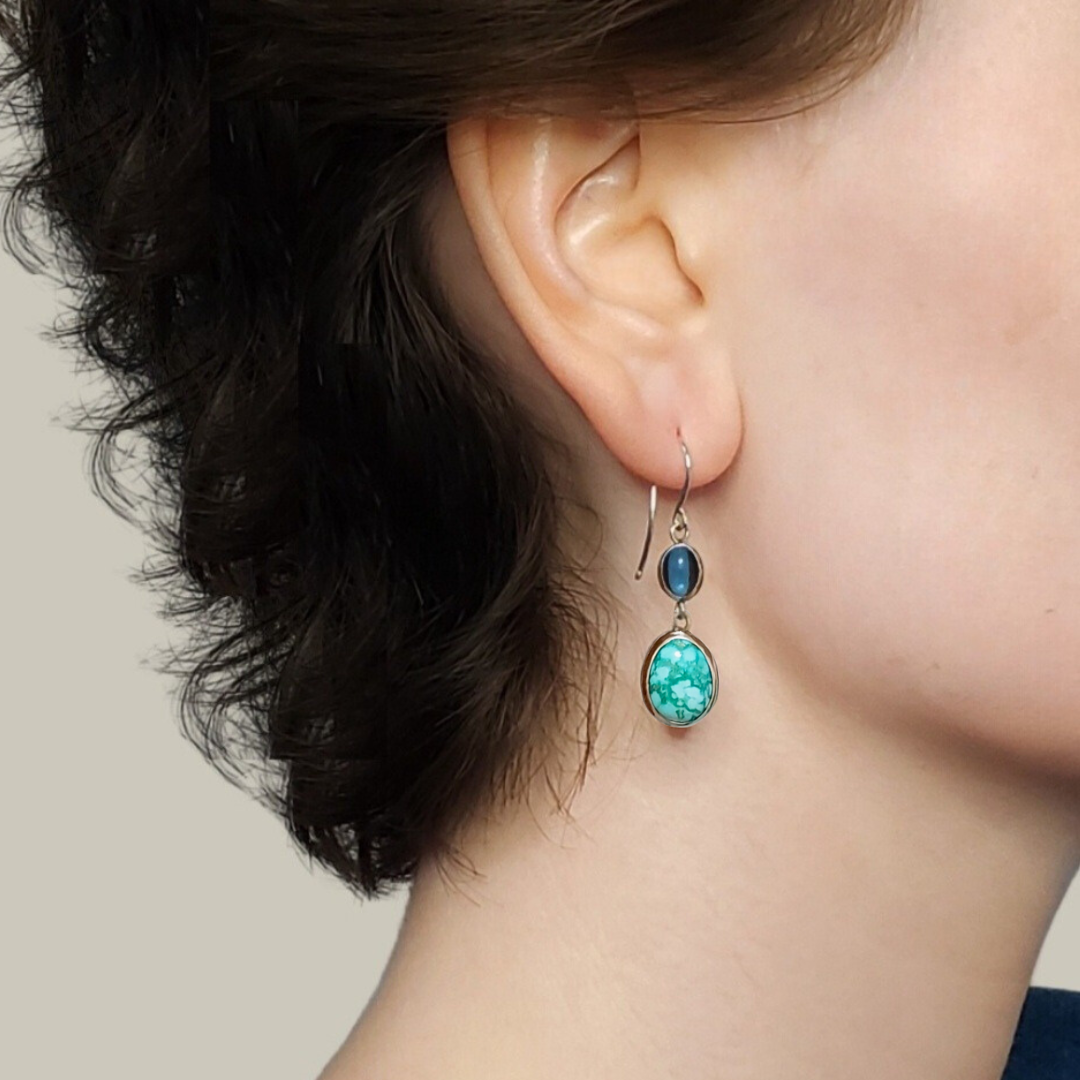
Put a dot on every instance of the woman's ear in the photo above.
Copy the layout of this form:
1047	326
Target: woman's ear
598	236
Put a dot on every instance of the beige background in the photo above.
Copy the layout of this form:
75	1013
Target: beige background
156	923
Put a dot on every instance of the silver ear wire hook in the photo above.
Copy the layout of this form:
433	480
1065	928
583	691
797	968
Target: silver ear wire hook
677	514
648	534
677	517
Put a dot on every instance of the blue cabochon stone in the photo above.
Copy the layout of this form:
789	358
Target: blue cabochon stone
680	570
680	682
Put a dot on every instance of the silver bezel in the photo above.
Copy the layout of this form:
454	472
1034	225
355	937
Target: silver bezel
656	646
660	571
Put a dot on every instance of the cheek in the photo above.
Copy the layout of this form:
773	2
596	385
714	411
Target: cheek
903	520
912	564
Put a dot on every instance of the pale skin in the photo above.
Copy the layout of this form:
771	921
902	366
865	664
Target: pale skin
865	321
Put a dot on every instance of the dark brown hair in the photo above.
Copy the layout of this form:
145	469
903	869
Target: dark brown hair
357	524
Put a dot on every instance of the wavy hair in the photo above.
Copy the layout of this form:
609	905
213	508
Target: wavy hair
355	520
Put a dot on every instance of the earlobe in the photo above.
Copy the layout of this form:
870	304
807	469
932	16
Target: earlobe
571	218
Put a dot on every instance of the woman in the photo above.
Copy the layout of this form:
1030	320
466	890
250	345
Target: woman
418	306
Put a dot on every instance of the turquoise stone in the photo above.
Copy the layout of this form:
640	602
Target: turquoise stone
680	682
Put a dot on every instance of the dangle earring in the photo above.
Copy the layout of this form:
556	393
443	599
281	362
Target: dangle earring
678	678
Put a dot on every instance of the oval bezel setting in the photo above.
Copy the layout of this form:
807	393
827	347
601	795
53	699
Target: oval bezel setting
693	715
696	572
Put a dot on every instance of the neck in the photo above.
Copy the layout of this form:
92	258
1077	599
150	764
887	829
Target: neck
779	891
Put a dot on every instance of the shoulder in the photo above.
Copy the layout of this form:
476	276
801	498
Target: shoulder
1046	1045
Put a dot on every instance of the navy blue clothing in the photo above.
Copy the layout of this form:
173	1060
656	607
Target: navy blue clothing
1046	1045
